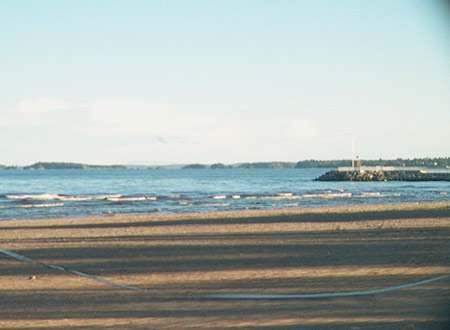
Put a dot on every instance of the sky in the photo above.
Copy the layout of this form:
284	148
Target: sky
177	82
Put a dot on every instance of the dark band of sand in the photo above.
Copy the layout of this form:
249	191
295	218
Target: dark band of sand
294	251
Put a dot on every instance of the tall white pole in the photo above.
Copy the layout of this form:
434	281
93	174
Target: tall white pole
353	150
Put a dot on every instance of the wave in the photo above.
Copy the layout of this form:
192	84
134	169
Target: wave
284	194
290	204
339	195
34	196
81	198
74	198
328	195
212	204
370	194
376	194
60	197
86	198
127	199
283	197
275	197
31	206
115	198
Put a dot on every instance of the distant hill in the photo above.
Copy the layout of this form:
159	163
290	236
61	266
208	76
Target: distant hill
195	167
220	166
3	167
71	166
261	165
323	163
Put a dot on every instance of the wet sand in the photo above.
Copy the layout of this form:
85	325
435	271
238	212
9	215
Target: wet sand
176	262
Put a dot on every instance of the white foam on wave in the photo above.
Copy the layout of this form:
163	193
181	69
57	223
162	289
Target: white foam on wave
49	205
282	197
339	195
127	199
29	206
290	204
219	197
376	195
213	204
311	195
34	196
61	197
103	197
331	195
328	195
74	198
284	194
82	198
370	194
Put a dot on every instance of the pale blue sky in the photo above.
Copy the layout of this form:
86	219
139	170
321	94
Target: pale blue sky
223	81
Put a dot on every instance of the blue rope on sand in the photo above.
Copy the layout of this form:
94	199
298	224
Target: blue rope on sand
240	296
233	296
76	272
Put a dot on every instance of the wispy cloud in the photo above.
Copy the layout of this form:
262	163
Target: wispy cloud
34	112
163	130
136	118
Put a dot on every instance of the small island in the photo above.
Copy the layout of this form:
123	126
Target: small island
72	166
3	167
195	167
263	165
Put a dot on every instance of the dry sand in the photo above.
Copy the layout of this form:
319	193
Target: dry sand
185	257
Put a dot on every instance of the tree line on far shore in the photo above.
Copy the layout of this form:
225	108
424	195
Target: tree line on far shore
443	162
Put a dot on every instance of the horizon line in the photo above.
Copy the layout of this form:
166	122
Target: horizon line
213	163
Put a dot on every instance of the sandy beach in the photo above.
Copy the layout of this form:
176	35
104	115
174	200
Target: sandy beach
164	271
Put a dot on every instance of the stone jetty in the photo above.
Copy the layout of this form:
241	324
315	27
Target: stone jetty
398	175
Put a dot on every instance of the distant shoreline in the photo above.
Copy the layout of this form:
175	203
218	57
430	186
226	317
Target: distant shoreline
442	162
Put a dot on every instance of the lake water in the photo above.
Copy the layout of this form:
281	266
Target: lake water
27	194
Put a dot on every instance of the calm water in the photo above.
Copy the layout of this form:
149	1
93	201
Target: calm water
74	193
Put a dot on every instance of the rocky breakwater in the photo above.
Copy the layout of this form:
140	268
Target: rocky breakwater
384	176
